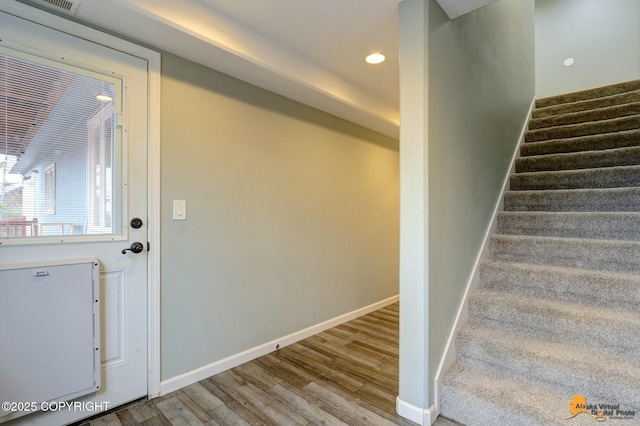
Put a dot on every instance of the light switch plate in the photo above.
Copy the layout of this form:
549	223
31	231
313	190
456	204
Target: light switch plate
179	209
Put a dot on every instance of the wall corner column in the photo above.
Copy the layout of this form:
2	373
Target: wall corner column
413	400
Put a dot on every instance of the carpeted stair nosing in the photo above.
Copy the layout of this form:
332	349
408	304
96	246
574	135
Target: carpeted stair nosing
621	139
576	200
616	111
589	225
627	156
605	289
602	329
550	365
589	104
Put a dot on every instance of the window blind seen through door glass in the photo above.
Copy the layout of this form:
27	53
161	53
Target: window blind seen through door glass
57	150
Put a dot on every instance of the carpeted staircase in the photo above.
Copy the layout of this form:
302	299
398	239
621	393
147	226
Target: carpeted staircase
557	313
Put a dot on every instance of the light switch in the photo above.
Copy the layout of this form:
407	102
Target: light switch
179	209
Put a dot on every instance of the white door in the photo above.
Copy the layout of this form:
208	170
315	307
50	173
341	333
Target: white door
82	195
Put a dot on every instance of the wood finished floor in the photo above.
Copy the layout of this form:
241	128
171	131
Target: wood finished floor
347	375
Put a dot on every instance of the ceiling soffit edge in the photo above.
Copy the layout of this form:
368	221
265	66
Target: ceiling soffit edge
225	46
456	8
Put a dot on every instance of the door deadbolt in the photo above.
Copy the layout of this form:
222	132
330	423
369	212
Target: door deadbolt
136	223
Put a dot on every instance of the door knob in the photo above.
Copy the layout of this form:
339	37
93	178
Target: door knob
135	248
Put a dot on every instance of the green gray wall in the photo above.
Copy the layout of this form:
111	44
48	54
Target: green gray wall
603	36
292	216
479	85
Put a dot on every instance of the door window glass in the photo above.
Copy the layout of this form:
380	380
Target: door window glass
59	149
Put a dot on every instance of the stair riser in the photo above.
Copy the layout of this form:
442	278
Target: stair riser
609	177
587	105
615	256
563	284
602	226
585	116
599	92
582	160
586	143
626	199
551	373
585	129
617	337
469	409
477	399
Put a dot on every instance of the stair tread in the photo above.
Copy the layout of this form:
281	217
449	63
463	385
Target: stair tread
611	157
575	310
612	331
585	190
582	143
567	240
612	255
612	125
563	283
577	199
581	171
550	365
610	276
607	214
602	177
493	391
591	225
475	397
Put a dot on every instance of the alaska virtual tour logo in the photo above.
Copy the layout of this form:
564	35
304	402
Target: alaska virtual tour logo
600	412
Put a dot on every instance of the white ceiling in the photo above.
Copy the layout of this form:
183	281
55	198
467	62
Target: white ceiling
309	50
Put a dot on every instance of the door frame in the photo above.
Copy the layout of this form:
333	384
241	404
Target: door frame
153	59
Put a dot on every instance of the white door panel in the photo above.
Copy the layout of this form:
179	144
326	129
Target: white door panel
123	277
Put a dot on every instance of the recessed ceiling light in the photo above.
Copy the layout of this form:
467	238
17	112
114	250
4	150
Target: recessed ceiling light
375	58
104	98
568	62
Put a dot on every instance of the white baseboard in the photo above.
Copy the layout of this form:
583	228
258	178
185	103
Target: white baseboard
422	416
449	357
193	376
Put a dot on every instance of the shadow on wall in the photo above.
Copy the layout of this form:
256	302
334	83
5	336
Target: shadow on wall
225	85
